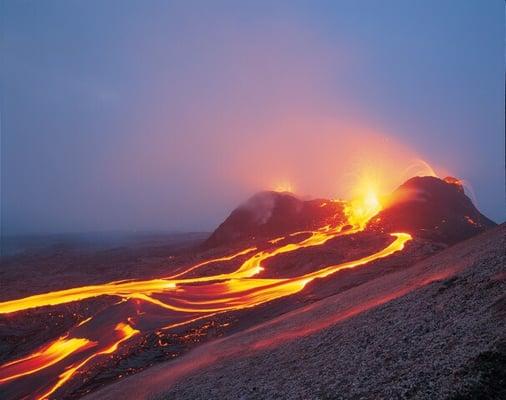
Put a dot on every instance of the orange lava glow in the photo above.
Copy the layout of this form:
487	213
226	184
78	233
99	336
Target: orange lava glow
284	187
185	299
45	357
122	332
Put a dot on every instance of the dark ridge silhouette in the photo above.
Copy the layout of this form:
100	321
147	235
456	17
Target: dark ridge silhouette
431	208
428	207
269	214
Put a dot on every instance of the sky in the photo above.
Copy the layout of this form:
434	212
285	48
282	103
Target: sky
165	115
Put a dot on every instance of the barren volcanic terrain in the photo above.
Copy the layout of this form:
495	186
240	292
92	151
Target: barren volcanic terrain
435	330
286	298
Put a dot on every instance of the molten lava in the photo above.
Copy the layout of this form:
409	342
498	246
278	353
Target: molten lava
178	300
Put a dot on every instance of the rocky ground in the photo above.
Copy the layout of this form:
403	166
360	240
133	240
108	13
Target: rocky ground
23	332
435	330
48	263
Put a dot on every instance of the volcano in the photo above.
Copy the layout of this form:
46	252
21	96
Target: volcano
433	208
428	207
275	258
268	214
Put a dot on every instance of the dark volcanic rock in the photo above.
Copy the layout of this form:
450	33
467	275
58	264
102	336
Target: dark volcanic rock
427	207
432	330
268	214
432	208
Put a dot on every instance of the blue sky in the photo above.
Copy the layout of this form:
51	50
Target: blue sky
133	115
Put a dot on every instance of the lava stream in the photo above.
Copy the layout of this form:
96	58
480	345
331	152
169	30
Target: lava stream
185	300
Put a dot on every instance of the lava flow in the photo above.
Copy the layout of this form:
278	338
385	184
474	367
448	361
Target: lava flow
156	305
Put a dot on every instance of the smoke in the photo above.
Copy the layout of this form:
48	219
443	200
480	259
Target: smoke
260	207
264	113
170	117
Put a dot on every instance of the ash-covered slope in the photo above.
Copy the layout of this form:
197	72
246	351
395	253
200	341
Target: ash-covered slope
434	330
427	207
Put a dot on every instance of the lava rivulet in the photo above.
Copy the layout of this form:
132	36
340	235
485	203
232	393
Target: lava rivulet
181	300
45	357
